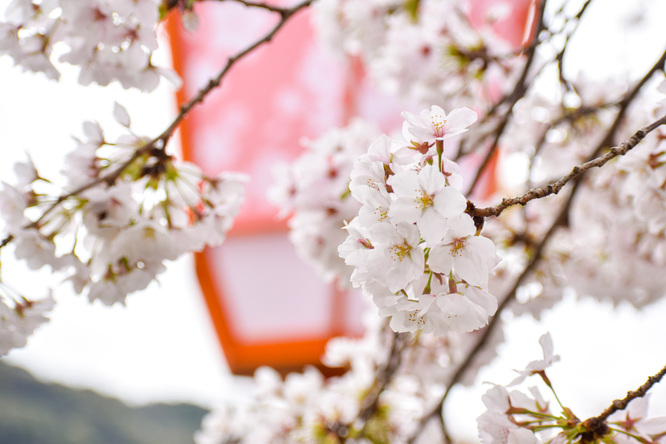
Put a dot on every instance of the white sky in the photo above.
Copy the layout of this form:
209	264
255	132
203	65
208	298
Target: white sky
162	347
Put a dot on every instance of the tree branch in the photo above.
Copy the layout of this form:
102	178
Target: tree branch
160	142
538	251
594	429
560	55
259	5
621	404
519	91
555	187
285	14
370	402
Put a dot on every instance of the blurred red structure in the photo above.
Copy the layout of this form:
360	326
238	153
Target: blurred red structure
268	307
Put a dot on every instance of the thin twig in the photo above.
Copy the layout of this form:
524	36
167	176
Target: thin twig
259	5
518	92
384	376
606	141
595	428
555	187
621	404
285	14
560	55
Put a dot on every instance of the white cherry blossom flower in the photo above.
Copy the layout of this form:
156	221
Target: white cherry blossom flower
424	198
635	420
397	258
538	366
17	323
437	125
468	256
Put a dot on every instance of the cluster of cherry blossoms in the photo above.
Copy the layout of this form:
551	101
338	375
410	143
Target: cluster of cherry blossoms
612	246
127	207
306	407
428	51
19	317
412	246
108	40
389	382
514	417
314	191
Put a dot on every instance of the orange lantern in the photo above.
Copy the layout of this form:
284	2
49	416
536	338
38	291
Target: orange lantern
267	306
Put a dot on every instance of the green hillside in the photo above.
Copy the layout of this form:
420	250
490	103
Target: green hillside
36	413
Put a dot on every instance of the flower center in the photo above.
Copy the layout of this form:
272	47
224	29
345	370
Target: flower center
438	124
423	200
381	213
399	252
415	318
457	247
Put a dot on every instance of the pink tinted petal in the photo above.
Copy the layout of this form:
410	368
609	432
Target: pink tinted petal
462	314
521	436
412	119
458	121
484	248
460	226
547	345
432	226
422	134
405	184
471	268
380	149
653	426
440	259
450	202
431	180
482	299
404	210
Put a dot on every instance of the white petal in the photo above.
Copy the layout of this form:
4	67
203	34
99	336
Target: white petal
458	120
440	259
450	202
432	226
471	268
121	115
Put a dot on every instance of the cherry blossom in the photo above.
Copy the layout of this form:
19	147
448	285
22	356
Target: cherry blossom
424	198
437	125
539	366
17	323
460	251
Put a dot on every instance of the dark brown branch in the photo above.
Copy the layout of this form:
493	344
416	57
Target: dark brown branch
603	143
594	429
555	187
621	404
384	376
6	241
